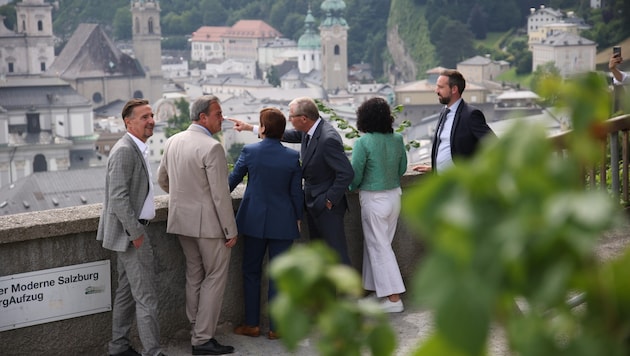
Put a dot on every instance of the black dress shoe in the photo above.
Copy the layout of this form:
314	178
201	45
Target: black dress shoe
129	352
212	347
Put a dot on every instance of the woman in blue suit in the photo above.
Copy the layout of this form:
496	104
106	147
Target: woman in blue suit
270	212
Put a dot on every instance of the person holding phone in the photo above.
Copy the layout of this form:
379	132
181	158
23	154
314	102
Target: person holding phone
619	77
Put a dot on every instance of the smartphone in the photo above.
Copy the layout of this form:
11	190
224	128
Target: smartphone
616	51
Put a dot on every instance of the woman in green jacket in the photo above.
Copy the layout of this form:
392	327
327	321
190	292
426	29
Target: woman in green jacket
379	159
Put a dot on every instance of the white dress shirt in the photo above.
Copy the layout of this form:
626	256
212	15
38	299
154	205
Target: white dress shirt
443	159
148	209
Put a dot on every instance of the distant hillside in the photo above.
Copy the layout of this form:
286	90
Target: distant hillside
410	49
427	33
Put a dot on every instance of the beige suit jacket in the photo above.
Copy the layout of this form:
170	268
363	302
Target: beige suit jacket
194	172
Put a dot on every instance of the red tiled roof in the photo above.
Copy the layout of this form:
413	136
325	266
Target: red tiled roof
252	29
209	33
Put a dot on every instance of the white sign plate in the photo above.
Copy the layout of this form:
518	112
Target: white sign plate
54	294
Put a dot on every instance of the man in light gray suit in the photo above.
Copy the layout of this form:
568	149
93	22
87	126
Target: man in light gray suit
194	172
127	210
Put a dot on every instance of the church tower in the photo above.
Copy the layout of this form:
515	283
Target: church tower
334	38
147	46
309	47
34	23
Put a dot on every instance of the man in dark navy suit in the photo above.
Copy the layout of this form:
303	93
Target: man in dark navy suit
326	170
460	127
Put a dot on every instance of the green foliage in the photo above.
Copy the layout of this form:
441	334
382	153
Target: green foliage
122	24
455	44
212	13
519	80
342	124
175	42
318	295
493	45
610	25
73	12
514	223
408	17
351	132
436	28
523	63
477	22
234	152
503	15
272	76
181	121
8	11
511	229
545	73
366	40
367	34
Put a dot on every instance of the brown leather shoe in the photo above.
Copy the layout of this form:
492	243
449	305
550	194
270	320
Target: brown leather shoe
273	335
253	331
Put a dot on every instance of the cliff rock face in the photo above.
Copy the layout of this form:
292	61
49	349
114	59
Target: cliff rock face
404	67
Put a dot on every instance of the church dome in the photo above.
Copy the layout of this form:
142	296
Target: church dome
333	10
310	39
333	5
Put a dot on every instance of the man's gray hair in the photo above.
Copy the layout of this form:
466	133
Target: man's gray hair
305	106
201	105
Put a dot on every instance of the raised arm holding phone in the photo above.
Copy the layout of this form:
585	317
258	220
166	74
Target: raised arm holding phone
619	77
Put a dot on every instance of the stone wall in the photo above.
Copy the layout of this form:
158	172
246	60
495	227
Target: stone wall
63	237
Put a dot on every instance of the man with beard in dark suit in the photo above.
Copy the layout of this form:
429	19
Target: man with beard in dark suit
460	128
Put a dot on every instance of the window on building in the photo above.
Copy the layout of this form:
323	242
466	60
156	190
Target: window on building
17	129
32	123
138	94
39	163
11	69
42	66
97	97
336	50
40	26
150	24
137	27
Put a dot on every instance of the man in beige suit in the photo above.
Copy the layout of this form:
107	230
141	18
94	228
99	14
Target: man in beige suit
195	174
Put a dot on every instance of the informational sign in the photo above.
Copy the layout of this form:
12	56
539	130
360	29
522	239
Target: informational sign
54	294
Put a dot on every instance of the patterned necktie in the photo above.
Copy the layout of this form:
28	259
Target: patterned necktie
441	122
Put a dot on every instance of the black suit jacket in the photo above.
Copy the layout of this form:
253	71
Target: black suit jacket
326	170
469	127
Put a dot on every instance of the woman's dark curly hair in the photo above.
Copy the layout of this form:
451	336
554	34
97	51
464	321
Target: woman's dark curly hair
374	115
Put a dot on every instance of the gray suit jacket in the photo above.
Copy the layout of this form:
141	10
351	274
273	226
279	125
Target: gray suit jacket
194	172
126	188
326	170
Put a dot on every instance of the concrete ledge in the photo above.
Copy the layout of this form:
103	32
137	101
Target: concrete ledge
64	237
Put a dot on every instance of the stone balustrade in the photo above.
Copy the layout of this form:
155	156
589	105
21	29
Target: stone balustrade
65	237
